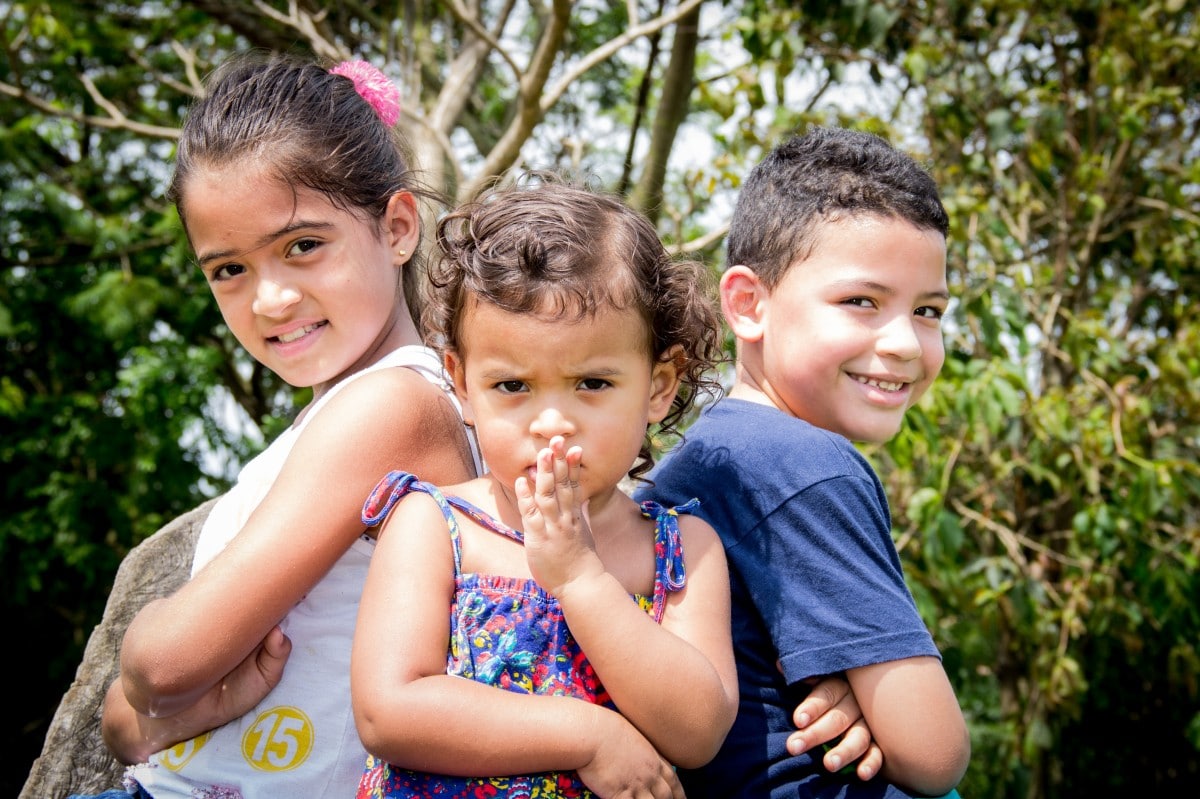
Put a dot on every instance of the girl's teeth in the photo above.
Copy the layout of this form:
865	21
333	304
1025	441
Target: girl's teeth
297	333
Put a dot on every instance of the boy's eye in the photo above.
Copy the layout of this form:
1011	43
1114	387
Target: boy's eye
594	384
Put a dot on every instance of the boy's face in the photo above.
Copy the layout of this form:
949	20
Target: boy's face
851	337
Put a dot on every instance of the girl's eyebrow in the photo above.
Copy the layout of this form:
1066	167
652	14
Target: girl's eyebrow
264	240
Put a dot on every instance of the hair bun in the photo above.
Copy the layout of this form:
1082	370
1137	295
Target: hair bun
374	87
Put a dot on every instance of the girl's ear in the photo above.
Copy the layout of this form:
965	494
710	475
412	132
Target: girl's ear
454	368
403	224
743	302
664	383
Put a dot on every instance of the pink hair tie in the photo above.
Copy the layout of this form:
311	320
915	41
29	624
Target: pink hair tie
374	87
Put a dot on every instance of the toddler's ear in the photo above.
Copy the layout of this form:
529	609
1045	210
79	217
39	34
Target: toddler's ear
664	383
742	302
454	370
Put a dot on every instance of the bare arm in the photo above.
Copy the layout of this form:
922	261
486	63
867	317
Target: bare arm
133	737
675	681
916	720
410	713
177	649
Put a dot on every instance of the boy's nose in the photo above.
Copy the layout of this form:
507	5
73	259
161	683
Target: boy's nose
899	339
273	297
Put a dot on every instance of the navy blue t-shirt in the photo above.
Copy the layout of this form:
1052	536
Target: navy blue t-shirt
815	579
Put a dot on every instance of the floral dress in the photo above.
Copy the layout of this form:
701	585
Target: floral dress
508	632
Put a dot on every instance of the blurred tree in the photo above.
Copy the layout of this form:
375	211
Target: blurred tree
1044	495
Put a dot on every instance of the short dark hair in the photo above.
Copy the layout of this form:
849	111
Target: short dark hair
821	177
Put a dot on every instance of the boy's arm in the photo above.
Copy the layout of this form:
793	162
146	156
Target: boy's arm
900	696
133	737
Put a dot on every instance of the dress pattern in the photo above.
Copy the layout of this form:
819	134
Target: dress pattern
508	632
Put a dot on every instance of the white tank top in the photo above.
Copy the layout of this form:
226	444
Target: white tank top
300	741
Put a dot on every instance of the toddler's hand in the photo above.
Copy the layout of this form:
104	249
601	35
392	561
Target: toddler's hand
558	541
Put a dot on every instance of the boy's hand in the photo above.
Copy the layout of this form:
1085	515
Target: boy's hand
558	541
831	710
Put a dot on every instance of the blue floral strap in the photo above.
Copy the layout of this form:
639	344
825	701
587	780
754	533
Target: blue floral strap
669	572
392	488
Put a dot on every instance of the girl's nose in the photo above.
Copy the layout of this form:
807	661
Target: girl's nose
273	297
550	422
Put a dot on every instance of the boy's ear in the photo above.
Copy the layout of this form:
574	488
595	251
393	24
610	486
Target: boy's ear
403	223
743	302
454	368
664	383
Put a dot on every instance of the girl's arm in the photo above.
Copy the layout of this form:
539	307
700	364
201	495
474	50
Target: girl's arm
675	681
132	737
409	712
900	696
178	648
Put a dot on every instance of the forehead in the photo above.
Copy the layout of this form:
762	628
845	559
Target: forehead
551	333
237	200
868	246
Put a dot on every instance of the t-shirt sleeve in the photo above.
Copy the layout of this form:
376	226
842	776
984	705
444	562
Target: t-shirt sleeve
824	574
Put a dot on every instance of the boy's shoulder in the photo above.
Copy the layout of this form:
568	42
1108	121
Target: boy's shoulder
762	425
736	442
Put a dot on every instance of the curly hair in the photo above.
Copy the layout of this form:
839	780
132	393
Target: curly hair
548	246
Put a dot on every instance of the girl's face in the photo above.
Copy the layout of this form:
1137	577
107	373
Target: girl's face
525	378
311	291
851	338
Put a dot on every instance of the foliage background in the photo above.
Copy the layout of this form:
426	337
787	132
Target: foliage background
1045	495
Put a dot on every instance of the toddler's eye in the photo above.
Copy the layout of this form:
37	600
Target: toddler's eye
510	386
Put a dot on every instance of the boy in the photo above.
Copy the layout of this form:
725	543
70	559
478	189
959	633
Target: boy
835	290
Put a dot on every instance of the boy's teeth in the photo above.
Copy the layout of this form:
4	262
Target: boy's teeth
297	333
883	384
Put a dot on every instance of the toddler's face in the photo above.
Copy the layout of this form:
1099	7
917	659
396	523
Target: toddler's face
852	335
526	378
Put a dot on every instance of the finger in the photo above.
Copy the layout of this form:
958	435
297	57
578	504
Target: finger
854	744
828	693
871	763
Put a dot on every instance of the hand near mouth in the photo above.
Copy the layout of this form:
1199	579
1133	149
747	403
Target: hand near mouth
558	539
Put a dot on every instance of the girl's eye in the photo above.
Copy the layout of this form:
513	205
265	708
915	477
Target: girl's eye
860	302
929	312
226	272
304	246
510	386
